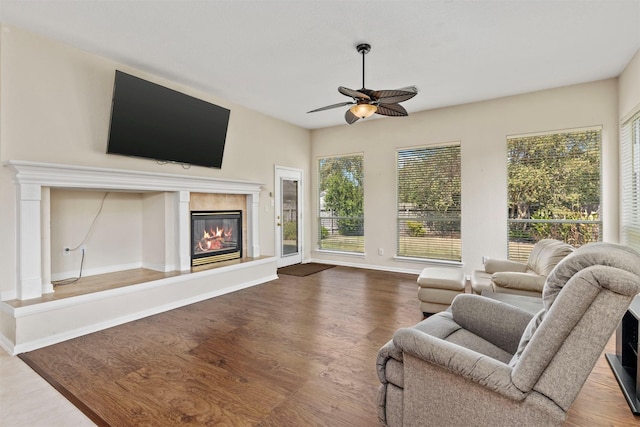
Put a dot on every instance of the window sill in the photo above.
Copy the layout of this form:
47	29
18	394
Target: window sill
341	253
428	261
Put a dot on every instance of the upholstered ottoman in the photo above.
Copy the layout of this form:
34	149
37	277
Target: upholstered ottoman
437	287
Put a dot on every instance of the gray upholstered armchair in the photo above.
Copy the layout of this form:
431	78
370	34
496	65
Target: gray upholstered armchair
518	277
488	363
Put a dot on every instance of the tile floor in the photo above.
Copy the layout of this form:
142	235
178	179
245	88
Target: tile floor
28	400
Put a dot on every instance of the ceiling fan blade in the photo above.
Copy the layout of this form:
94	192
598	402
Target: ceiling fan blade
352	93
411	88
395	110
392	96
350	117
329	107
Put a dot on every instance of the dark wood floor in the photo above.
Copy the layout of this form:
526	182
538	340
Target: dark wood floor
297	351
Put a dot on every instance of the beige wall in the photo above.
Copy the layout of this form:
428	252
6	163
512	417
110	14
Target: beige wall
55	107
629	88
482	129
115	239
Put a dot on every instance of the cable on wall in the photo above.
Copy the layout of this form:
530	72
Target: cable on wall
86	236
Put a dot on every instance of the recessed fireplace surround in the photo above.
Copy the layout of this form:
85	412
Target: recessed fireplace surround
34	181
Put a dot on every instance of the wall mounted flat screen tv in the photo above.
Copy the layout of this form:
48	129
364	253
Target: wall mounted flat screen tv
155	122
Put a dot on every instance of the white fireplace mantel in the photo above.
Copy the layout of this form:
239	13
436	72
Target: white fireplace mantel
34	180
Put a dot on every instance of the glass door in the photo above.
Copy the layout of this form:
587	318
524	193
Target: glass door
288	216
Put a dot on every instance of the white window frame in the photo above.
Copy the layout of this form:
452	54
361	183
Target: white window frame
520	252
451	251
630	180
329	222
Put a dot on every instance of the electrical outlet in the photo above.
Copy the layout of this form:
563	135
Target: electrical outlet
380	251
66	251
83	249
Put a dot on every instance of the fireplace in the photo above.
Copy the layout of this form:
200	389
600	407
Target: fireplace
215	236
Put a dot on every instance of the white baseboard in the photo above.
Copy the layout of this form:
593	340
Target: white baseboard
367	266
7	345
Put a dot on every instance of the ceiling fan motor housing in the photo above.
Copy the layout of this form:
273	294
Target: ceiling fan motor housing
363	48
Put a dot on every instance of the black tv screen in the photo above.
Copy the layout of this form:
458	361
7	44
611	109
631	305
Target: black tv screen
152	121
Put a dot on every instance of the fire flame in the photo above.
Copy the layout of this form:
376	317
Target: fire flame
214	240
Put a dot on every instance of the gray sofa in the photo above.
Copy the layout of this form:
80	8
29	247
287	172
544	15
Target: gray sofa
485	362
521	278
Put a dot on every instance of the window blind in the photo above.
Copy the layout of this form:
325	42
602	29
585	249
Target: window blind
429	192
554	189
630	158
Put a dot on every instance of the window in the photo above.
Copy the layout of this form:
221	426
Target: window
429	202
553	189
341	216
630	152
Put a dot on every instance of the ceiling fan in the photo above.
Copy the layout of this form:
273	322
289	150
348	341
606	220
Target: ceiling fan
366	102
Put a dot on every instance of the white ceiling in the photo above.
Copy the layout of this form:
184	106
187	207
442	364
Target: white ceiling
284	58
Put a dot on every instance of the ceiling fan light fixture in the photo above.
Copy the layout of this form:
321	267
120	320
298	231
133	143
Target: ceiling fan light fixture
363	110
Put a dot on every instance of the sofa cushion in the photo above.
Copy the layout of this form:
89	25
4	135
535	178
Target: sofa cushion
481	281
523	281
499	323
494	265
546	254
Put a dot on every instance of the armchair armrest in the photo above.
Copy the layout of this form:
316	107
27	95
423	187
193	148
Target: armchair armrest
495	265
388	351
461	361
524	281
499	323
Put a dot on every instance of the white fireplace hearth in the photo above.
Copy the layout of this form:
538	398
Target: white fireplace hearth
29	326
